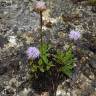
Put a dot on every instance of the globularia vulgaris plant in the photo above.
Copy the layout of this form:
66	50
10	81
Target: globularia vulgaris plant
41	60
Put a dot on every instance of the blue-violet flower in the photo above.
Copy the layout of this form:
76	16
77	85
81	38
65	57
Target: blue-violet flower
32	53
75	35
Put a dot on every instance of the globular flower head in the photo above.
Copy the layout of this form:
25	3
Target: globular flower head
40	6
32	53
75	35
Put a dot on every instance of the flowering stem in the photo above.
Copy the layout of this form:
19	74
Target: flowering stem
41	23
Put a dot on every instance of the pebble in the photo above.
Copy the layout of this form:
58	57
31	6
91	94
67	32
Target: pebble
25	92
68	94
13	82
12	40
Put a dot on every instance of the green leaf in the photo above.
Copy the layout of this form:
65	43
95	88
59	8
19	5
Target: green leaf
45	59
41	69
34	68
67	60
40	62
67	71
49	65
30	62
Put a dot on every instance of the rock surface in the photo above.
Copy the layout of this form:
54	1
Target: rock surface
19	26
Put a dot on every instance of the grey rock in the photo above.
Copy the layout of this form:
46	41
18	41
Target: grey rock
25	92
3	69
3	41
93	9
15	29
1	88
18	18
13	82
9	91
93	62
